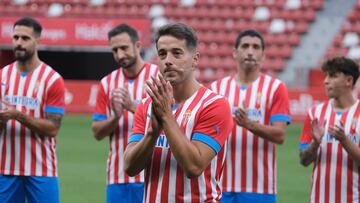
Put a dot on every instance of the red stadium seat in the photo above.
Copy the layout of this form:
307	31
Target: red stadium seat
217	23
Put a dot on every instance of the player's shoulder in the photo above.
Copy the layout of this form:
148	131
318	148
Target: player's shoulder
318	107
273	80
224	79
221	83
214	98
114	72
7	67
50	70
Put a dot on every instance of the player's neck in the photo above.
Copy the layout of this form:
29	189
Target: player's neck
29	65
185	90
343	102
133	71
246	76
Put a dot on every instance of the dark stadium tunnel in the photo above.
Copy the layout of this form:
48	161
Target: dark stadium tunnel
80	65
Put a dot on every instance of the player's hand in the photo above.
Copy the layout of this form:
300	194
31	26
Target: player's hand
241	117
161	94
317	130
338	132
156	126
126	101
116	103
7	112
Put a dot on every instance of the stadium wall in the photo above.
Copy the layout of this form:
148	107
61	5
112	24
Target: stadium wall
81	97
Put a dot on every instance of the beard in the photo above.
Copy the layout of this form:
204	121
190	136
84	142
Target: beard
127	63
22	56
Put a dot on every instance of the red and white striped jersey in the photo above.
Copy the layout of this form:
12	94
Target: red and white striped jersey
204	117
22	151
335	177
118	140
250	160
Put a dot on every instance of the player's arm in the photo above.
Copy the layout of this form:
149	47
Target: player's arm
102	125
48	127
309	154
103	128
310	140
351	148
279	118
195	155
140	147
138	154
192	156
275	132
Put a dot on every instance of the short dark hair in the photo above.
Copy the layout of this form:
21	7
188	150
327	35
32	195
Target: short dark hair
343	65
251	33
124	28
179	31
30	22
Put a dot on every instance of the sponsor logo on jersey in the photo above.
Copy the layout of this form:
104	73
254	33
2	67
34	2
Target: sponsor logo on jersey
29	102
162	142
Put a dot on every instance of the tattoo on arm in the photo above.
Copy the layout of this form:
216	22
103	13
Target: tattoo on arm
309	155
54	118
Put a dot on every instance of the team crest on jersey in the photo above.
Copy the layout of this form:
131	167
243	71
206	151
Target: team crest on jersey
187	115
353	126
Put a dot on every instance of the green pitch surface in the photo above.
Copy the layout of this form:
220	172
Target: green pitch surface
82	165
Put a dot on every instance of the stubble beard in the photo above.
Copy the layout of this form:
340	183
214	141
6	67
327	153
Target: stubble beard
131	63
23	58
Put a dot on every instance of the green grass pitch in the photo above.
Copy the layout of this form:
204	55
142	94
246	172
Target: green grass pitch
82	165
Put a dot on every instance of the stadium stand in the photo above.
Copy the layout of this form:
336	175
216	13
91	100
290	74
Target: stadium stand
345	43
347	40
217	22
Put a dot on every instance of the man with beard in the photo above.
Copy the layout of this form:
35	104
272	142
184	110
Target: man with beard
32	96
260	107
179	132
119	93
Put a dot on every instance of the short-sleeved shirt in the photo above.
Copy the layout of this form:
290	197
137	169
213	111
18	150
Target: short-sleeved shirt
103	110
204	117
22	151
335	177
251	162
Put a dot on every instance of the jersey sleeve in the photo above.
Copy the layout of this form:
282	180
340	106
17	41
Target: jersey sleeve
305	137
214	124
279	110
102	101
55	101
138	130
